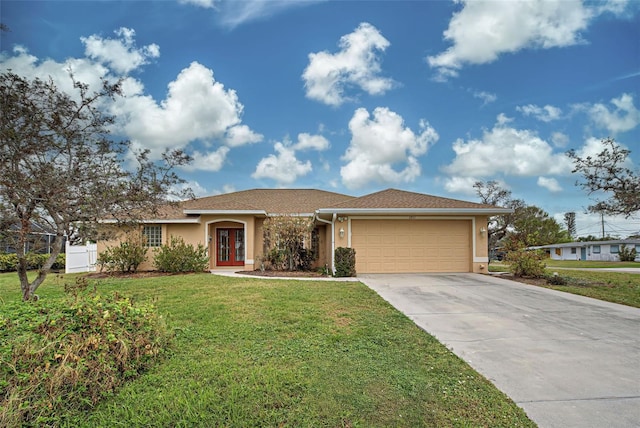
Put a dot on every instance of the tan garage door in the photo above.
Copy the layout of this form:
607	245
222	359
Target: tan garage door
411	245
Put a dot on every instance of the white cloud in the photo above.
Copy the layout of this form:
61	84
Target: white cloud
284	167
357	64
546	114
121	54
212	161
623	117
593	146
379	144
559	139
197	189
461	185
509	151
240	135
486	97
483	30
551	184
233	13
207	4
30	67
197	107
311	142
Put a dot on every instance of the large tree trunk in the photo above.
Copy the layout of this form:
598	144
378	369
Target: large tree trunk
29	289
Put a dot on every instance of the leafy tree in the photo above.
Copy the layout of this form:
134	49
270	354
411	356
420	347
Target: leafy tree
532	226
493	193
528	225
60	168
607	172
570	222
285	236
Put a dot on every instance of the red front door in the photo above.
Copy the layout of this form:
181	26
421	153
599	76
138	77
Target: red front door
230	247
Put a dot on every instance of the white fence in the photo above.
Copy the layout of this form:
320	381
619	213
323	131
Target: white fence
81	258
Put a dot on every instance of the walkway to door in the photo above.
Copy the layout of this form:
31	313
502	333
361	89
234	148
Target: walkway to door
568	361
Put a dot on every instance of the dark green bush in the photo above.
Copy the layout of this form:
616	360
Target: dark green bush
627	254
9	261
526	263
556	279
60	356
180	257
345	259
126	257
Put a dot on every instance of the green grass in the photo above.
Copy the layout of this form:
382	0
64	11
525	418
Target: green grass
615	287
253	352
589	264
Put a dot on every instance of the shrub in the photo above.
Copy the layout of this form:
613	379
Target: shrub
556	279
126	257
627	254
180	257
60	356
526	263
345	259
9	261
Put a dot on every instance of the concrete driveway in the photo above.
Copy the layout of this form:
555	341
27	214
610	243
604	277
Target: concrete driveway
568	361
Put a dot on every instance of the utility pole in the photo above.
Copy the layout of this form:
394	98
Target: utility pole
602	220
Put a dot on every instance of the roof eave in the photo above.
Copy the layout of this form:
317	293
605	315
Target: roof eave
415	211
225	212
195	220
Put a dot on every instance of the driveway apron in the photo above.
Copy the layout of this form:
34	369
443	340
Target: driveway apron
567	360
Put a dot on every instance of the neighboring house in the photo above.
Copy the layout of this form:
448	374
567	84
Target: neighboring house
590	250
391	230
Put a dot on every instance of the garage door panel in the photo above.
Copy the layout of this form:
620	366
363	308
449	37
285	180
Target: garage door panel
412	246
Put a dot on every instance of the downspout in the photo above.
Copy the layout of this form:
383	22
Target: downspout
333	240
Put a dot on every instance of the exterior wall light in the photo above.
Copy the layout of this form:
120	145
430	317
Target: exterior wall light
483	231
341	232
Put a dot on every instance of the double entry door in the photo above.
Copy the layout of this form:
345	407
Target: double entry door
229	247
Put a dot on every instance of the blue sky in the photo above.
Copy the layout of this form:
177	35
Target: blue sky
356	96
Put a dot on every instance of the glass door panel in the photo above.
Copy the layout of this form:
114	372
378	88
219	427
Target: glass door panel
230	247
239	245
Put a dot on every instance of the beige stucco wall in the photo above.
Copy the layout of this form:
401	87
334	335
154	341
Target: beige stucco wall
200	233
195	234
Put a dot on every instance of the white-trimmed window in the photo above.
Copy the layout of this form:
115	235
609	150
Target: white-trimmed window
596	249
615	249
574	250
153	235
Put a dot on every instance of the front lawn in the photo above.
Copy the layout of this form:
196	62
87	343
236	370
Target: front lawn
589	264
615	287
255	352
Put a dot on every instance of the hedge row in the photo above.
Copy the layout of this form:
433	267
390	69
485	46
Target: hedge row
9	261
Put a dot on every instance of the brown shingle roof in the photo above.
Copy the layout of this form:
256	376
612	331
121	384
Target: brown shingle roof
307	201
273	201
393	198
